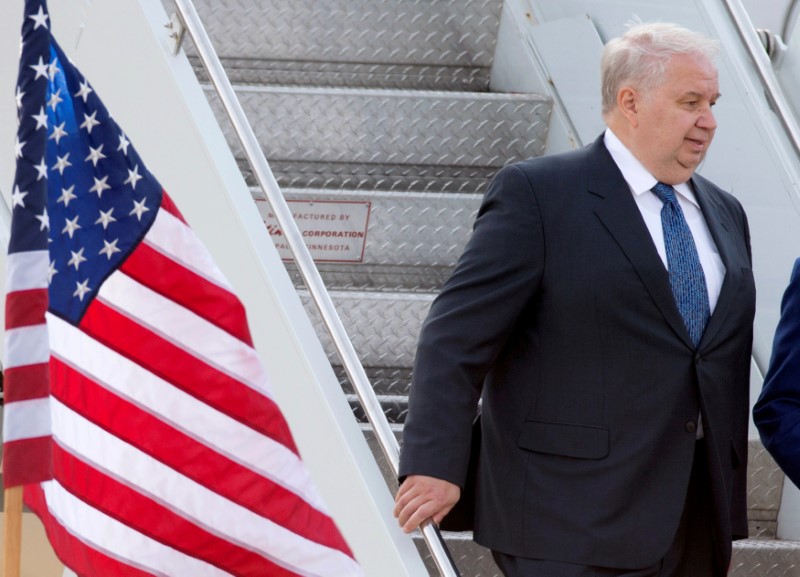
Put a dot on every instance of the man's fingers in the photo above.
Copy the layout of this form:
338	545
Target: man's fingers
413	509
417	513
421	498
403	496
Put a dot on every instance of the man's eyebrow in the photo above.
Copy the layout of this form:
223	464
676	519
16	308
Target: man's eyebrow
695	94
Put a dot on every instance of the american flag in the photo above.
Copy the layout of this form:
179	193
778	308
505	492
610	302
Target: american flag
138	415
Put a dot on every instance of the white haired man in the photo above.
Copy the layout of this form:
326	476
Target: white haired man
603	312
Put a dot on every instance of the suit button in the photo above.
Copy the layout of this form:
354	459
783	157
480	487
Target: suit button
691	426
698	359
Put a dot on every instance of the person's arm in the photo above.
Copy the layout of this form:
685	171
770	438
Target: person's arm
777	412
466	329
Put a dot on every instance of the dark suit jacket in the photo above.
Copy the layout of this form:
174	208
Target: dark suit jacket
560	314
777	412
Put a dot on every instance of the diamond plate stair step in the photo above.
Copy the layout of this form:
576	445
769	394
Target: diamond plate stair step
410	43
471	559
309	126
413	240
380	459
361	75
383	327
369	177
379	278
394	407
765	558
391	381
764	491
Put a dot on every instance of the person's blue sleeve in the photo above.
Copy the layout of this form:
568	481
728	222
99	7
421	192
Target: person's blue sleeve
777	412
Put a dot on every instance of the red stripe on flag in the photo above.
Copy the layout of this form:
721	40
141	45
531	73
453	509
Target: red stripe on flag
26	382
161	524
25	308
170	207
27	461
81	557
190	290
192	458
186	372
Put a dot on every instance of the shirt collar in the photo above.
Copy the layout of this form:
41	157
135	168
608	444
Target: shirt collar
637	176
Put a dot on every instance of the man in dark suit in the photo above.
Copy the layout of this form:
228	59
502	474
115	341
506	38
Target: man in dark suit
614	391
777	412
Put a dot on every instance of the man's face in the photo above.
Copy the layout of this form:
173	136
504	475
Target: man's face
675	124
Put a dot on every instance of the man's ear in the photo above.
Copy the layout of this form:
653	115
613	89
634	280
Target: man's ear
628	105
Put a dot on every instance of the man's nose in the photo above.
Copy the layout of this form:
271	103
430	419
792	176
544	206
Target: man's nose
707	120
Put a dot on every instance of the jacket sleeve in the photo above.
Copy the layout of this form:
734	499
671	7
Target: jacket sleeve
469	324
777	412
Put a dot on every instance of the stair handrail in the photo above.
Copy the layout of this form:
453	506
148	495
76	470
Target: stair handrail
305	264
758	56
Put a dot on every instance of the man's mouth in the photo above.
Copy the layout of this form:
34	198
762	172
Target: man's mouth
696	144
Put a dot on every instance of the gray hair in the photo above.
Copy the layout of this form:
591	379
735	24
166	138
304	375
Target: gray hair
639	57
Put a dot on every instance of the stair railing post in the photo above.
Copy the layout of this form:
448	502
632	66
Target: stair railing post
305	263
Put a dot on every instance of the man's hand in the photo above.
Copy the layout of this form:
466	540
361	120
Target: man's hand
421	498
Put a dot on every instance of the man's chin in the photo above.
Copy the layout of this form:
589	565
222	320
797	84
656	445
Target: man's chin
691	163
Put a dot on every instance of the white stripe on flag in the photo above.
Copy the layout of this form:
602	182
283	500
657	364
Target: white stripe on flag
27	270
169	236
27	346
115	539
191	500
26	419
185	329
203	423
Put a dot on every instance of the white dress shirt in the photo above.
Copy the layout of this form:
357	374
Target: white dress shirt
640	182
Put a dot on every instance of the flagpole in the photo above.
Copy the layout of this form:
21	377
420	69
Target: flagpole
12	531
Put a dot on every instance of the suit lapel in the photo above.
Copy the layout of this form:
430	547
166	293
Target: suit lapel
623	220
720	232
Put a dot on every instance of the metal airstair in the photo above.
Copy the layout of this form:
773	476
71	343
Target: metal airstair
388	102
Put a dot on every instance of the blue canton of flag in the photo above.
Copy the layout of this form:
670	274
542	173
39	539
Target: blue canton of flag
101	199
30	225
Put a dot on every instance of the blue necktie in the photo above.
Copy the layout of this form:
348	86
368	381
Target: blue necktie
685	273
